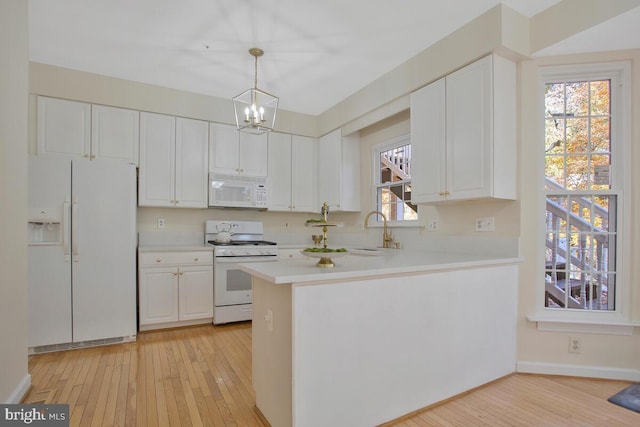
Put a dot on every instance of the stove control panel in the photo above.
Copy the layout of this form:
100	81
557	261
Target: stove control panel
246	251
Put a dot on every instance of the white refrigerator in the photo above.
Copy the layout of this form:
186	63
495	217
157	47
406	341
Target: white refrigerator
81	252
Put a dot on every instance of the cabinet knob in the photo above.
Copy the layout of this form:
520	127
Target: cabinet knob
93	156
181	273
158	260
86	156
177	201
196	259
175	274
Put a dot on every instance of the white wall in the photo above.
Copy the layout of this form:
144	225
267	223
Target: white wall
14	69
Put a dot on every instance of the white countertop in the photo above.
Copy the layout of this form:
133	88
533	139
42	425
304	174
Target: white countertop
394	262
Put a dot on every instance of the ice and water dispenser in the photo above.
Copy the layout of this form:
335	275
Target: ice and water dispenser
45	226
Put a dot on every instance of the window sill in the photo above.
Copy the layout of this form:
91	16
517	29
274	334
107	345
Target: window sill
557	324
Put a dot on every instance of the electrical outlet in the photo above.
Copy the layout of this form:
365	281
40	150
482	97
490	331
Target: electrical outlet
432	225
269	319
160	223
575	346
485	224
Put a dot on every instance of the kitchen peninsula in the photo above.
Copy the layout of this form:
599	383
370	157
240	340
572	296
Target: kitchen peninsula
378	337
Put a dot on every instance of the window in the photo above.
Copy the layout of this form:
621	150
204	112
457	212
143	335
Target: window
583	144
392	169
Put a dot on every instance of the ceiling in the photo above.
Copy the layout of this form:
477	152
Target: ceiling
317	53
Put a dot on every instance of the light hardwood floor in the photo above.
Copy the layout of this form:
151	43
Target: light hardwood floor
201	376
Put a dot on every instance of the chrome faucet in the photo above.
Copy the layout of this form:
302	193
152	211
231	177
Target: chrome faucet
386	236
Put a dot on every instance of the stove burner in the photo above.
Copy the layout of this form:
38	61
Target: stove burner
242	243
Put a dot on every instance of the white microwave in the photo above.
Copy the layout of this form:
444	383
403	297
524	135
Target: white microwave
227	191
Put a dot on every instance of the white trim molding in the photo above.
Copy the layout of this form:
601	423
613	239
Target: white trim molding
587	327
20	391
604	372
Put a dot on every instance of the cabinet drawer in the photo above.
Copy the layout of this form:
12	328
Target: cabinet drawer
148	259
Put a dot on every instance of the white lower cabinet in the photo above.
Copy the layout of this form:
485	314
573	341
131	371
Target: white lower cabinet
175	288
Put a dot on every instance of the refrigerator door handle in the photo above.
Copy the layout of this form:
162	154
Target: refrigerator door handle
66	210
74	229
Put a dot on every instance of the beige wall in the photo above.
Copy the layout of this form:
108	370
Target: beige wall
81	86
14	69
612	352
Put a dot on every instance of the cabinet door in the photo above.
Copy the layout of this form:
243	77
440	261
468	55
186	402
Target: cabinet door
350	174
253	154
158	295
224	149
469	131
192	165
115	133
329	152
303	174
428	145
338	172
279	172
64	127
157	160
196	292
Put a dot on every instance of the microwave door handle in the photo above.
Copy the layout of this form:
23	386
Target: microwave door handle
66	211
74	229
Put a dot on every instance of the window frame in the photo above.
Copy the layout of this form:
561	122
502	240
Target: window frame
620	103
389	144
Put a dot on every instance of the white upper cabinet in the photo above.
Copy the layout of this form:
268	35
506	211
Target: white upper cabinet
192	163
64	127
156	180
463	134
173	161
115	133
237	153
338	172
303	174
279	172
224	149
292	179
78	129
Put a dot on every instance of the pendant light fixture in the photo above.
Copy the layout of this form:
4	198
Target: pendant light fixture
255	109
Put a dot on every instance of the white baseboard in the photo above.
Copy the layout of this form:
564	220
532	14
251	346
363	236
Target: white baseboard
578	371
21	391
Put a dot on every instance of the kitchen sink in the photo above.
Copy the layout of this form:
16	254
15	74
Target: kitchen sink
367	251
